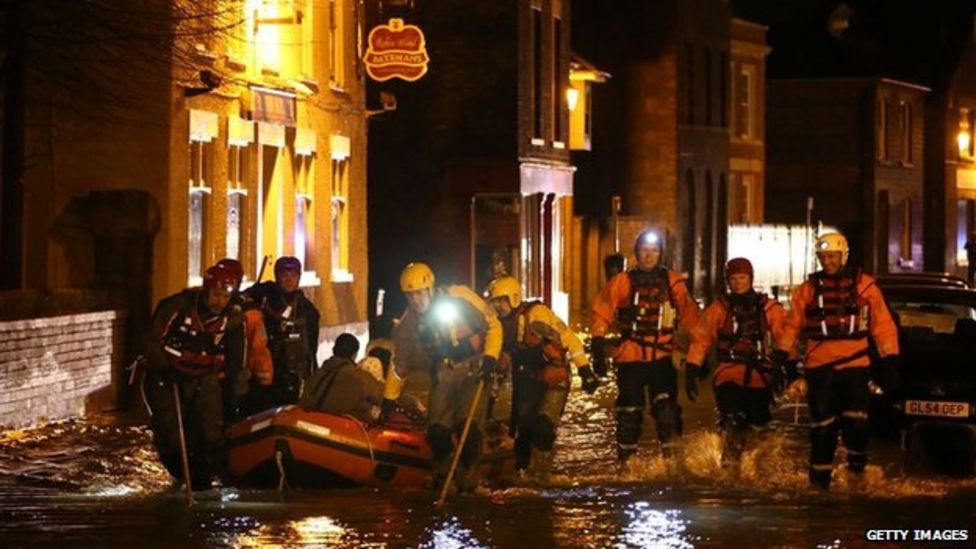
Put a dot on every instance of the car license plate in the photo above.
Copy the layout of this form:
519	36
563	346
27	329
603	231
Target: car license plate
936	408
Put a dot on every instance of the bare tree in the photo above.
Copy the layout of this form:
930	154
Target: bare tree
94	60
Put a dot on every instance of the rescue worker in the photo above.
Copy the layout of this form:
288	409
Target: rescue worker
836	310
645	305
453	334
292	325
196	336
746	327
258	367
613	265
540	347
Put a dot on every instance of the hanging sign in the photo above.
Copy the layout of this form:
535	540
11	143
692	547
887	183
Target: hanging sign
396	50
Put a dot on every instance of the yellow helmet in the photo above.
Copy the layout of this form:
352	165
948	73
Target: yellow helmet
833	242
506	286
416	276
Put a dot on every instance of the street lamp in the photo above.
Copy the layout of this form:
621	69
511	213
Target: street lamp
963	139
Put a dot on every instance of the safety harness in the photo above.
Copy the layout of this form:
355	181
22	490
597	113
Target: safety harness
742	337
196	344
650	311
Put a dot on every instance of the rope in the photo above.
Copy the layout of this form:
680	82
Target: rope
282	479
369	443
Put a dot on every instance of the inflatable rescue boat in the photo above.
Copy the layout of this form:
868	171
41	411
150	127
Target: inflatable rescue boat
290	446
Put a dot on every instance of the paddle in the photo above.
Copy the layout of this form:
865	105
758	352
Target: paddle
460	446
183	453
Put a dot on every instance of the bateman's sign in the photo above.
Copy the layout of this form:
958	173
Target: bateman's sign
396	50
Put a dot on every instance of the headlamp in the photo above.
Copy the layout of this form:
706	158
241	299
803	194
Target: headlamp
650	238
445	313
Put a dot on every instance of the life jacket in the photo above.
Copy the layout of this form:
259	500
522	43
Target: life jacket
287	339
533	356
197	344
837	311
457	339
650	309
742	337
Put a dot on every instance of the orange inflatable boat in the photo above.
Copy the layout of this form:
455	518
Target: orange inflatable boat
306	449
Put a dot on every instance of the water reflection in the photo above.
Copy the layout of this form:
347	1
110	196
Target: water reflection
450	534
649	527
317	531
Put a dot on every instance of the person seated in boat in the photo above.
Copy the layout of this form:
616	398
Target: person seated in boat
377	362
321	391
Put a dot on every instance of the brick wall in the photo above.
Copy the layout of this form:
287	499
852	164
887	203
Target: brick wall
57	367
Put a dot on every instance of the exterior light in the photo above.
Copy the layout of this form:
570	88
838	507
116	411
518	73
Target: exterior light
446	313
963	139
572	96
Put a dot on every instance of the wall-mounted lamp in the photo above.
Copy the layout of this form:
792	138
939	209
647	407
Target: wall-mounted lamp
963	139
572	96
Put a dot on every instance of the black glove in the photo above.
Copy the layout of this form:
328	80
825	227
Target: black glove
692	373
589	381
599	356
489	366
779	374
889	373
389	406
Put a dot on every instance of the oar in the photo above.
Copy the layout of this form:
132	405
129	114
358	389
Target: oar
183	454
460	446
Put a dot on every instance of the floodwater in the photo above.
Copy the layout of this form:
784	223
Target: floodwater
97	484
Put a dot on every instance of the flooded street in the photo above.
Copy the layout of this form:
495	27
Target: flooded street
81	484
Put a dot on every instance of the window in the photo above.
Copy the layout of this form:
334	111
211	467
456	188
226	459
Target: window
906	230
336	44
708	86
690	82
304	214
745	103
283	38
906	133
882	128
557	81
537	75
740	199
203	130
340	209
723	86
237	184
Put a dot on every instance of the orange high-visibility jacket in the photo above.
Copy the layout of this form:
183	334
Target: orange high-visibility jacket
706	333
843	353
258	356
617	294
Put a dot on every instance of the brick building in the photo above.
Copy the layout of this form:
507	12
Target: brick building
855	146
215	130
661	133
475	160
747	122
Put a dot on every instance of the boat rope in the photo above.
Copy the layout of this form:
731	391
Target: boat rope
282	479
369	443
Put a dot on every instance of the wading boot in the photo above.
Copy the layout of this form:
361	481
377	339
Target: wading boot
541	465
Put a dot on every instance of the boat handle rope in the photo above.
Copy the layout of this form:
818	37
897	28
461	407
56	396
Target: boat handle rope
282	479
369	444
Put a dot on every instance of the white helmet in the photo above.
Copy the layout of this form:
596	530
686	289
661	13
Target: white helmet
833	242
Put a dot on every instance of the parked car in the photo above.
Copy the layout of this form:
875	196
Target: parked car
936	399
920	279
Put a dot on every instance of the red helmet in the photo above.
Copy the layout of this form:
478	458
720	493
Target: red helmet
221	277
287	263
234	267
738	265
